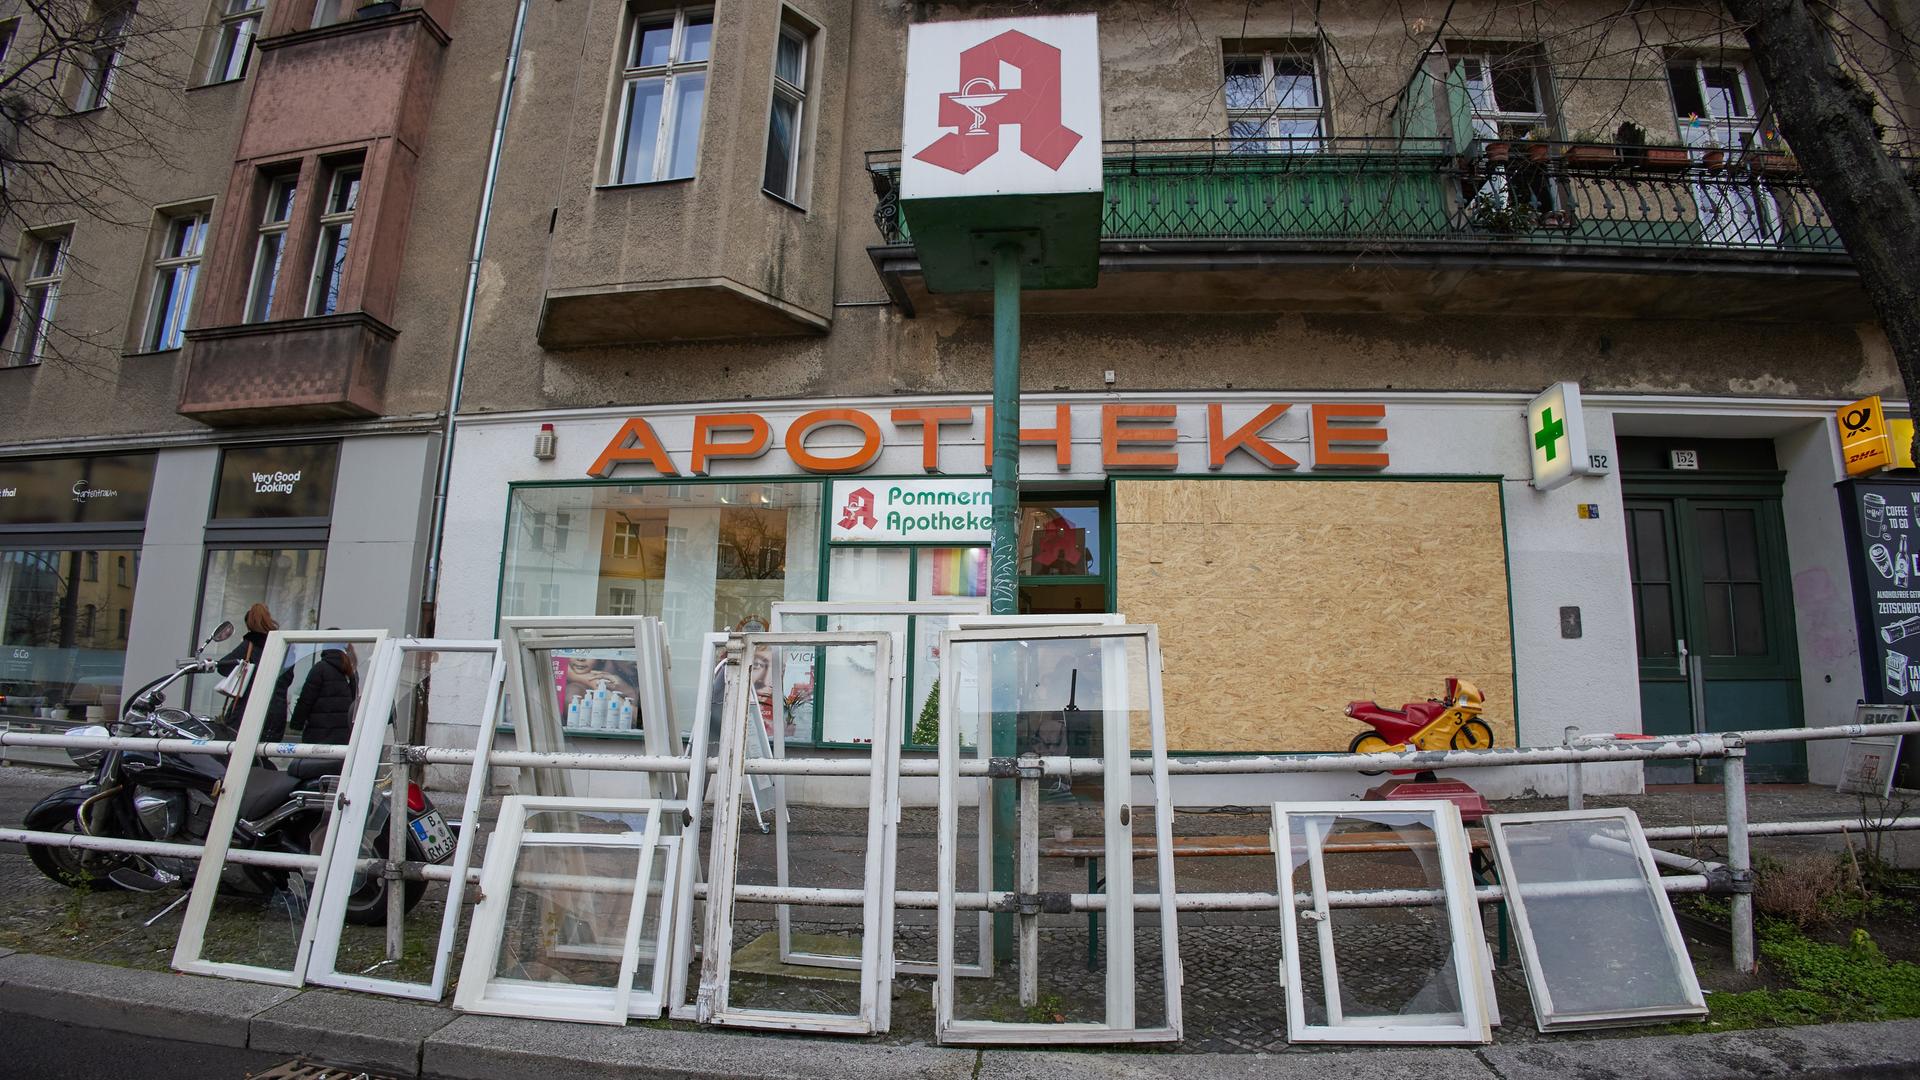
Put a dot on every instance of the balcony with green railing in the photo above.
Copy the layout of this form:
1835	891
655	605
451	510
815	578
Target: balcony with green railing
1388	195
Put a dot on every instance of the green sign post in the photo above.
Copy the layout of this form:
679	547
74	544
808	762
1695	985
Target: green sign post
1001	186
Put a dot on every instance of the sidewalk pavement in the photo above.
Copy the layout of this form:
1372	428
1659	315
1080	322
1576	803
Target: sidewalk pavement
432	1042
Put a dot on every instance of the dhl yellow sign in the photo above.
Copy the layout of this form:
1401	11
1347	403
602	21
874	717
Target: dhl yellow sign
1864	445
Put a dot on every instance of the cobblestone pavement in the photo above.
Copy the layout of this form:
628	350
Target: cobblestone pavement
1232	997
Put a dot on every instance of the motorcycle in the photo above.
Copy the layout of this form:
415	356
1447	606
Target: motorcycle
171	796
1451	722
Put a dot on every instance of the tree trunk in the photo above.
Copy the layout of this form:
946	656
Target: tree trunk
1827	118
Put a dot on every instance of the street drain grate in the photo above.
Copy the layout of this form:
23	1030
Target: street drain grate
313	1070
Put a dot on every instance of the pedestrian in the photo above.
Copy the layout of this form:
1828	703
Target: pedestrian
260	622
324	711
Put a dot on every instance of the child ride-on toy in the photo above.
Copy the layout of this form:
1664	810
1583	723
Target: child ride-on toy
1451	723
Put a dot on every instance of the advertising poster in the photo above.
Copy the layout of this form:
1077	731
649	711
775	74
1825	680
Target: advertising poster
1883	555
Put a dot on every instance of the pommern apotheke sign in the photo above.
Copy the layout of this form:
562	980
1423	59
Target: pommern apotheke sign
913	511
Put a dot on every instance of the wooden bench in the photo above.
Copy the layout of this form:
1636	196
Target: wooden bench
1092	849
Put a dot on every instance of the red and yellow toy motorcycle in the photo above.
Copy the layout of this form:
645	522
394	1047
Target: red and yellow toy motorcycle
1449	723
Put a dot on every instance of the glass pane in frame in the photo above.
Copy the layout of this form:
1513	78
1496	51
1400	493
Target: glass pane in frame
1596	932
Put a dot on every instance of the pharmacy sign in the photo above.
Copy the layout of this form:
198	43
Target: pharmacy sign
1557	438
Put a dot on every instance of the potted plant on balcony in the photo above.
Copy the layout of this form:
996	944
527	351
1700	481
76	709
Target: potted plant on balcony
1494	212
1590	148
1771	156
1537	144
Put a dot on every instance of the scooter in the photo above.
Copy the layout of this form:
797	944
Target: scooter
171	796
1447	723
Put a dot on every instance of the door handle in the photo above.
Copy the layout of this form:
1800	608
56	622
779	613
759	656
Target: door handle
1682	659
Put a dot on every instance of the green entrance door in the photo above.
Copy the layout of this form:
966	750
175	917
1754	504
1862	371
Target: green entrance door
1713	618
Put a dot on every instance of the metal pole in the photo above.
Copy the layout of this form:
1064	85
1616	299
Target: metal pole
1576	786
1029	884
1003	560
1733	780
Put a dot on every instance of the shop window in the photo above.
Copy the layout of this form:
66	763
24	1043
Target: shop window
233	39
786	120
663	94
336	230
176	274
1274	98
46	265
102	489
53	660
286	480
702	557
99	63
1062	555
285	578
270	250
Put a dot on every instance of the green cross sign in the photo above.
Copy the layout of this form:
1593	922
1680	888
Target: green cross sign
1548	437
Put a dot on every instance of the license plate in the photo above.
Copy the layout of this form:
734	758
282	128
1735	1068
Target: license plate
432	832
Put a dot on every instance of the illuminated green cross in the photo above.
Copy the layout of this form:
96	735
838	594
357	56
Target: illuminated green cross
1548	437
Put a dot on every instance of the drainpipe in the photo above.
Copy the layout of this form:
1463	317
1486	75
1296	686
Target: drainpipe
429	594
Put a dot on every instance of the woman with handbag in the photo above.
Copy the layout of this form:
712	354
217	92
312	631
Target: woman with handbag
239	663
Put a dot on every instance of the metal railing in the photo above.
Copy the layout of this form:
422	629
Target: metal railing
1515	196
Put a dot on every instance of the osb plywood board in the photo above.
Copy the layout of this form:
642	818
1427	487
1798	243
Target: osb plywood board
1279	601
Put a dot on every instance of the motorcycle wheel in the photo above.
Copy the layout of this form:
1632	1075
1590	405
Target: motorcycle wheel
1369	742
367	906
73	867
1473	735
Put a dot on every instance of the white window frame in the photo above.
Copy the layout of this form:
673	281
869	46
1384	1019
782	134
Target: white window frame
670	73
1546	1016
625	597
1269	112
233	40
479	992
271	228
1486	122
904	610
101	62
169	266
1119	1023
30	341
539	726
356	788
344	181
189	949
626	539
883	794
794	94
1472	976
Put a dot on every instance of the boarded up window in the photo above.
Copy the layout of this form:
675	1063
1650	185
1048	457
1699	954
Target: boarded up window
1280	601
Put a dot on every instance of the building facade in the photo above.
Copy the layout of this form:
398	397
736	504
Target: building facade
229	374
1339	255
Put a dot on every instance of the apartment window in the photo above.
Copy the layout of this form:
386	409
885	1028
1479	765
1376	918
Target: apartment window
46	263
7	31
664	92
239	24
271	249
626	540
622	601
1504	93
175	274
93	566
1274	101
120	570
336	229
788	114
549	599
328	12
97	66
1713	102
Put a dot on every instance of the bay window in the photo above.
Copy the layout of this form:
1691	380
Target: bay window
271	248
330	254
662	96
787	117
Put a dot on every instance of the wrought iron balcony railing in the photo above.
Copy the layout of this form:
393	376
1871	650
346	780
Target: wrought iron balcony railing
1406	192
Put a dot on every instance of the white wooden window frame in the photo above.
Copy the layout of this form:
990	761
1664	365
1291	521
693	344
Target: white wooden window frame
539	727
271	228
480	992
794	94
1270	112
1546	1016
233	40
1487	121
188	950
1119	1024
31	343
783	916
670	74
345	183
1472	978
883	792
356	802
687	872
169	267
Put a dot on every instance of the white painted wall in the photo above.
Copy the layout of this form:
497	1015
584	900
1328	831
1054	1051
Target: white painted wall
1822	588
376	548
166	594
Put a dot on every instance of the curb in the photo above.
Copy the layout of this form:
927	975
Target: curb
411	1039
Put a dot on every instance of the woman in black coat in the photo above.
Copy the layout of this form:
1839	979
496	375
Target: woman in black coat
260	623
324	711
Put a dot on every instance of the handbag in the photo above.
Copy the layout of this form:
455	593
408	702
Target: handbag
235	684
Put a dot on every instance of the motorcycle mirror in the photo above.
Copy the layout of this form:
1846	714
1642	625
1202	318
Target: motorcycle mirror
223	631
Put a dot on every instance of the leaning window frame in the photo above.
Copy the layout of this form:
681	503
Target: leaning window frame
544	731
1472	976
669	72
1117	833
829	609
152	339
188	951
1546	1017
356	802
476	991
877	904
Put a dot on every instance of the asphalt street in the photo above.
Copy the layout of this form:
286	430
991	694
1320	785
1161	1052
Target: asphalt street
36	1048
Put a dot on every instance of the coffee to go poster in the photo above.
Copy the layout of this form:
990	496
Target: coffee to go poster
1883	554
